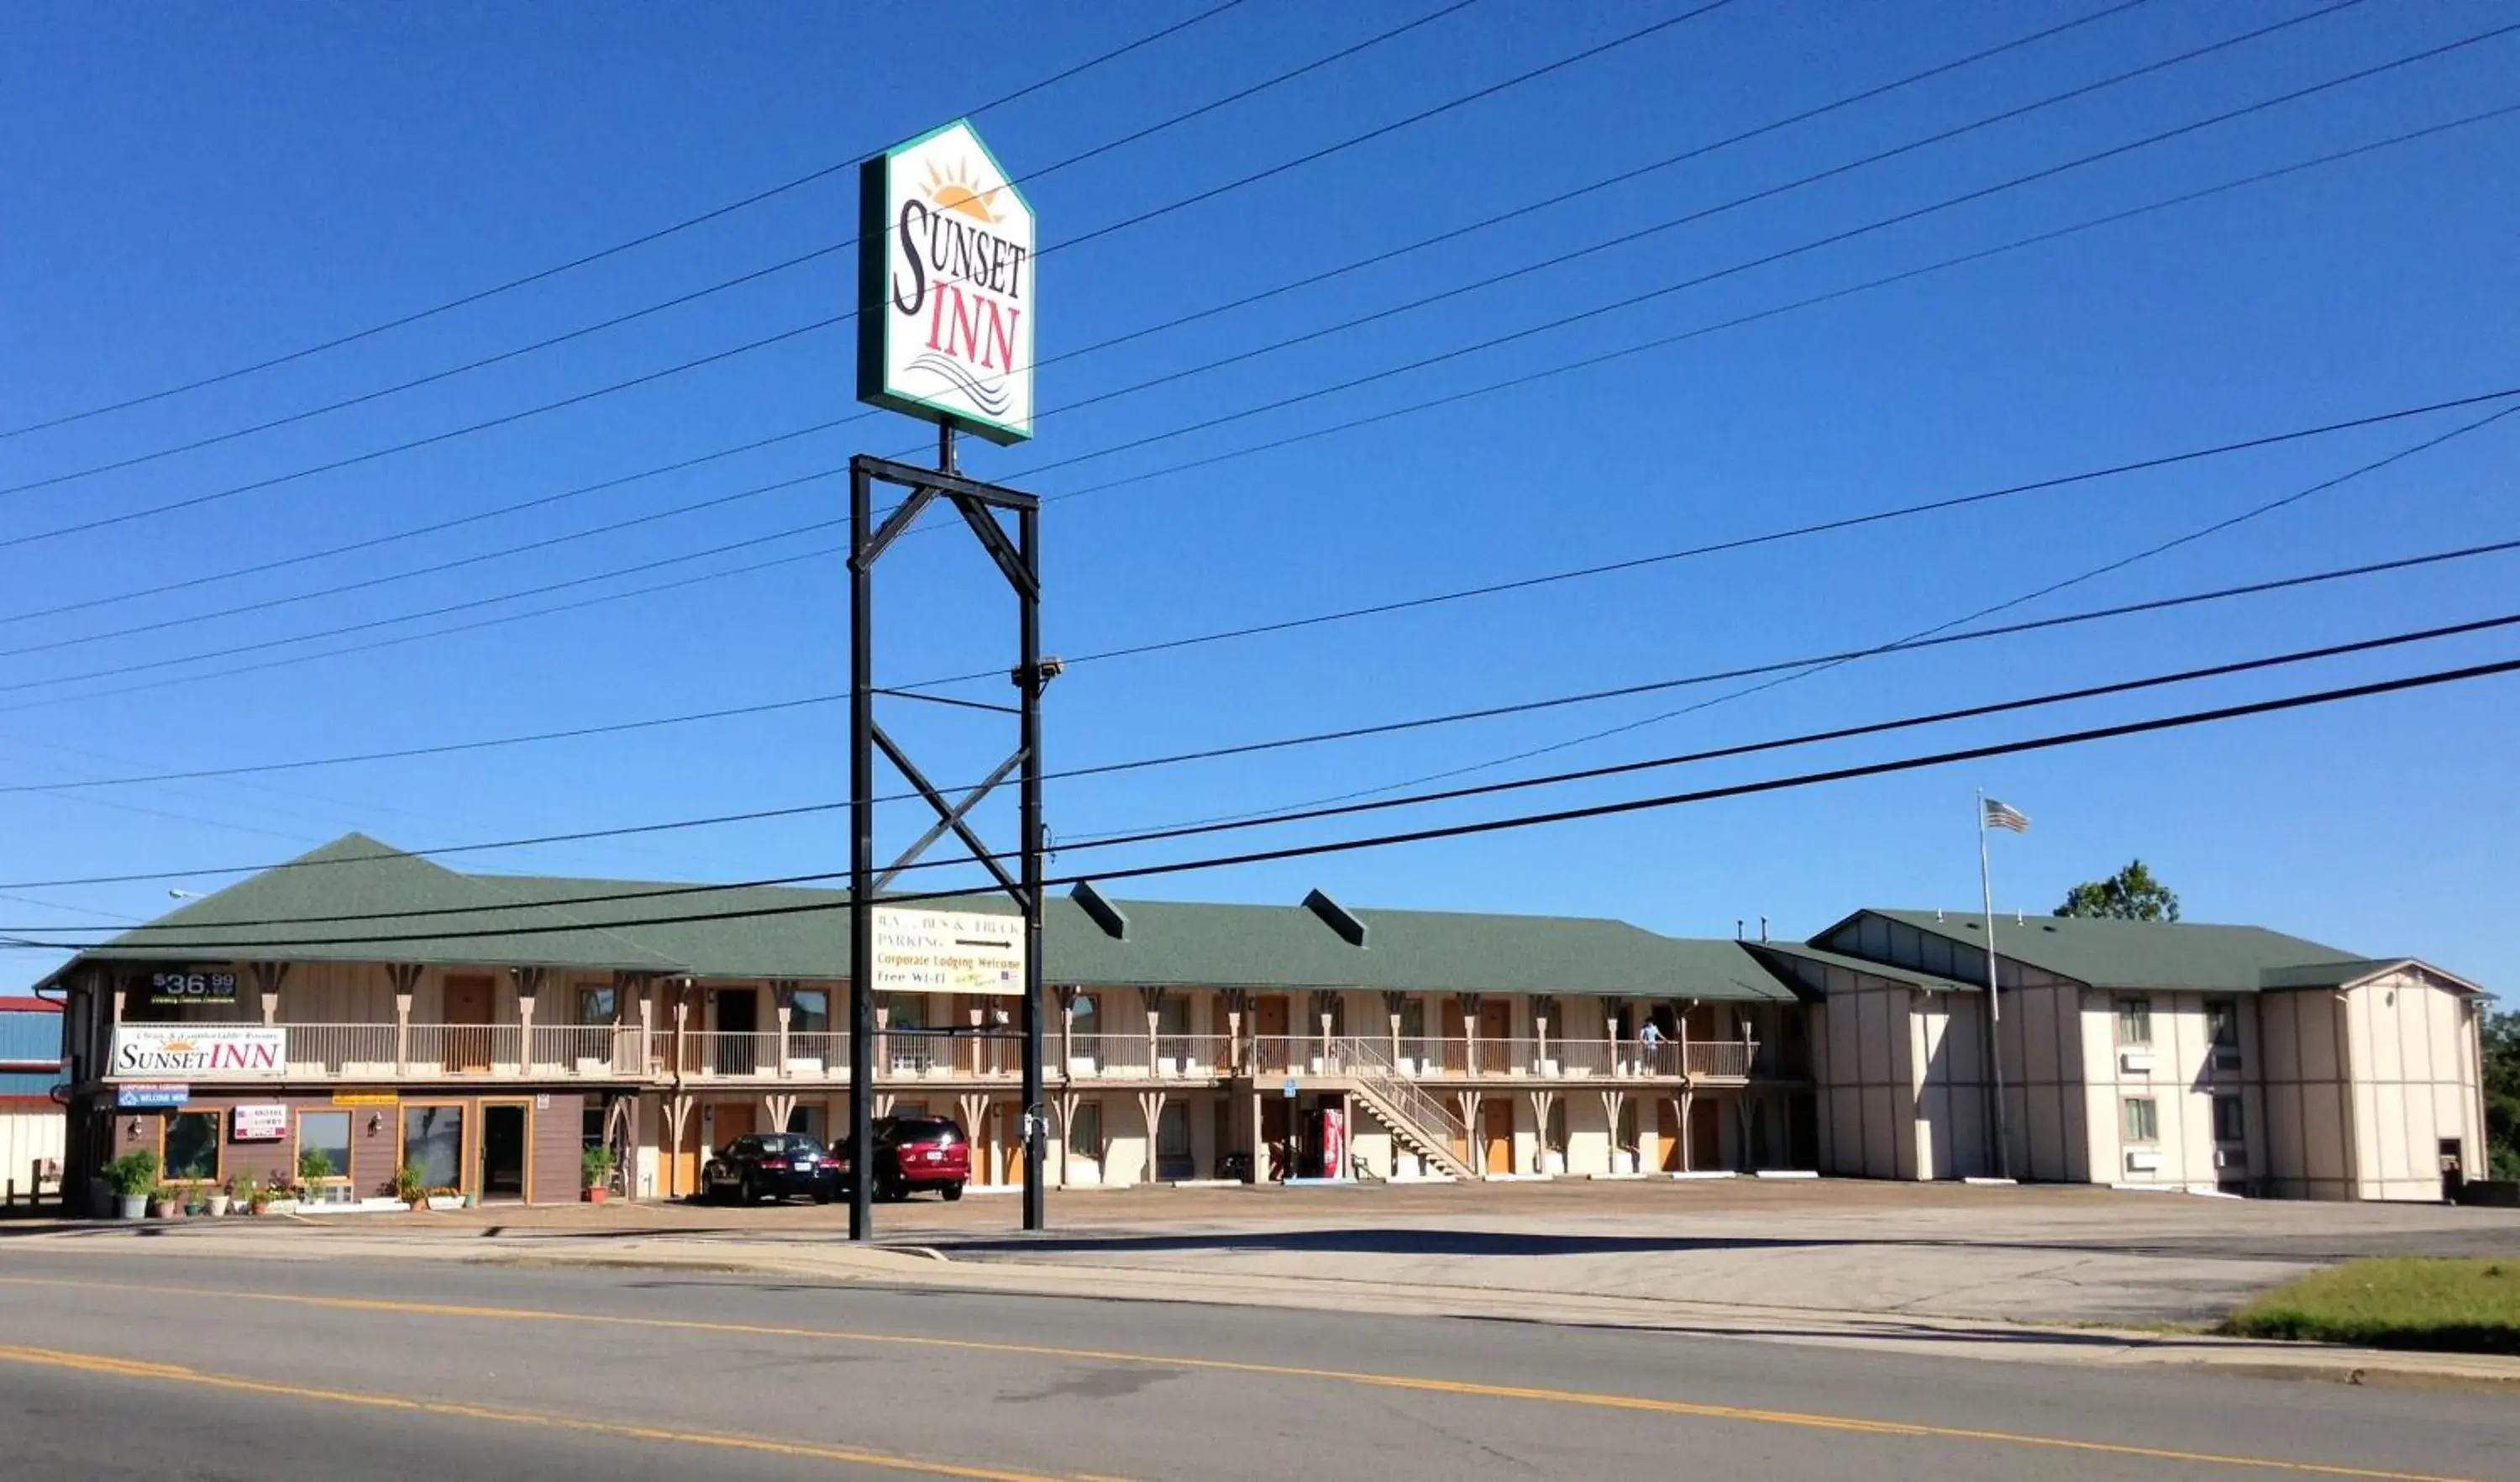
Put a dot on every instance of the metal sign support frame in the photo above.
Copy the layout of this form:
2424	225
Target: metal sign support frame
1018	559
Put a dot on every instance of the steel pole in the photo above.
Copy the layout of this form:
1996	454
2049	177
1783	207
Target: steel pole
861	858
1994	1004
1035	1198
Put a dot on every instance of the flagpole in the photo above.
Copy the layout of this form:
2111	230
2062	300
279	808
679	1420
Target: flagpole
1994	1002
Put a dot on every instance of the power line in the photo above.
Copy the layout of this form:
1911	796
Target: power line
753	275
1631	301
2049	741
1920	635
600	254
1370	420
1621	178
1970	713
725	498
2155	605
785	335
818	526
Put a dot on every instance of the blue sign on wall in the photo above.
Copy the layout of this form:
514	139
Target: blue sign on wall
131	1097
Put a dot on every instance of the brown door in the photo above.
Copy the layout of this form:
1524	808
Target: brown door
1269	1024
1706	1135
1667	1132
1496	1118
733	1120
469	1003
1223	1133
1496	1028
1277	1125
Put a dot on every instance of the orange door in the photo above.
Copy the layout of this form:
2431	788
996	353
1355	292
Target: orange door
469	1003
1496	1114
1667	1133
1269	1017
733	1120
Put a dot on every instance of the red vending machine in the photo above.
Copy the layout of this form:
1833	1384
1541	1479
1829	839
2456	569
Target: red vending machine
1328	1142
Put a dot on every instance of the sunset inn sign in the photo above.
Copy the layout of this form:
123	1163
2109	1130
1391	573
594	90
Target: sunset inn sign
945	285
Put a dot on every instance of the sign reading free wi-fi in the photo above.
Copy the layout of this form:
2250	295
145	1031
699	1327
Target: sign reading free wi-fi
945	285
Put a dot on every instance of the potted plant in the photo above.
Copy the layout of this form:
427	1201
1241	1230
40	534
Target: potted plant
314	1169
595	1172
133	1176
195	1201
220	1198
164	1201
257	1196
411	1185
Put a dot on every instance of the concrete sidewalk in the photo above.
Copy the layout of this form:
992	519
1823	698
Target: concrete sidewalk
1524	1289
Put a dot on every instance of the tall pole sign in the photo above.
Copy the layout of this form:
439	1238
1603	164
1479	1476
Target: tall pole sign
945	285
945	308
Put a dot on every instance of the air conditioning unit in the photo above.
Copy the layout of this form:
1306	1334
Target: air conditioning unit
2142	1162
2136	1061
2230	1157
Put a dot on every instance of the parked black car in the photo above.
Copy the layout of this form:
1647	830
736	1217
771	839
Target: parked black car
772	1165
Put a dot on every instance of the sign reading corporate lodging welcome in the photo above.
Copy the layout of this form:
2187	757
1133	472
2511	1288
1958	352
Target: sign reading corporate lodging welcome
945	285
947	952
200	1052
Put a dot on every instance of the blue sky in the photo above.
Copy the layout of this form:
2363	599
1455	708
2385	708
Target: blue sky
192	188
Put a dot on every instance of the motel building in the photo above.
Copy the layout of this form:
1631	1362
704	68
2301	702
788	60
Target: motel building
492	1027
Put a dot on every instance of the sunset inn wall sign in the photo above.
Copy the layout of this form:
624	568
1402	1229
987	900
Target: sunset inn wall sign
945	285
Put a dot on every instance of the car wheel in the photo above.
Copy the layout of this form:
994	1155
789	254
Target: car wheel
751	1190
953	1192
822	1193
890	1189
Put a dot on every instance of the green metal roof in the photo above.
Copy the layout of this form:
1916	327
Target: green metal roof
1826	959
803	933
2113	954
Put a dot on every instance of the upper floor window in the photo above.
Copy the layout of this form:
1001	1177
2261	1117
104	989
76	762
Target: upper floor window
2222	1027
810	1012
2229	1124
596	1005
2135	1021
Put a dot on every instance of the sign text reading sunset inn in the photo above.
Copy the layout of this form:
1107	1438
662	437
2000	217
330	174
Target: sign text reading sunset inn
945	285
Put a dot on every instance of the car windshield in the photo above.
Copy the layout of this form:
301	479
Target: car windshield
924	1129
788	1144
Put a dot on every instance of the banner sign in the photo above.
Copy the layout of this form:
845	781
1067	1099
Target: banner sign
947	952
200	1051
364	1097
260	1122
945	285
138	1098
192	988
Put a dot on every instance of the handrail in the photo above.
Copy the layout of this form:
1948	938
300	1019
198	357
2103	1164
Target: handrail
1370	1063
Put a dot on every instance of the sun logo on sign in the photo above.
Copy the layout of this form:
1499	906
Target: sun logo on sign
958	191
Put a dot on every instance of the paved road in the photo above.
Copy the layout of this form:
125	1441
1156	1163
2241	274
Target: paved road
167	1364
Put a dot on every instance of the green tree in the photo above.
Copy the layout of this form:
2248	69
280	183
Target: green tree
2502	1093
2130	895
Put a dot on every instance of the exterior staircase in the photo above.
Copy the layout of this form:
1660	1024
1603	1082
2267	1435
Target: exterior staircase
1418	1119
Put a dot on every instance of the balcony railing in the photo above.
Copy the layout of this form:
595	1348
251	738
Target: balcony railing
602	1052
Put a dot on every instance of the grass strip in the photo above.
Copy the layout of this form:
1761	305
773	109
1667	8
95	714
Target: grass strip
2435	1304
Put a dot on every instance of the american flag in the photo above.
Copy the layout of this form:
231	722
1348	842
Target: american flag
2004	816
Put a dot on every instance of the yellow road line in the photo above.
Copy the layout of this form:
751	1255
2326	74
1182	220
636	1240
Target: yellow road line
1587	1399
104	1363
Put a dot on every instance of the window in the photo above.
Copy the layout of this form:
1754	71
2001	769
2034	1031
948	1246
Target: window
1085	1129
810	1012
1626	1134
1413	1018
908	1010
1171	1018
590	1124
1172	1144
2142	1120
809	1122
1556	1133
2222	1026
2229	1123
1085	1015
191	1146
325	1135
433	1138
596	1005
2135	1021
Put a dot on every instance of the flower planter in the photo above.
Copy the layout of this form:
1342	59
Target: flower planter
598	1195
219	1204
162	1209
130	1206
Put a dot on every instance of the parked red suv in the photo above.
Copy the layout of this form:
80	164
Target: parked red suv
911	1153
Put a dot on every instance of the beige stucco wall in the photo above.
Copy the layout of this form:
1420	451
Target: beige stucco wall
2411	1047
2182	1082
